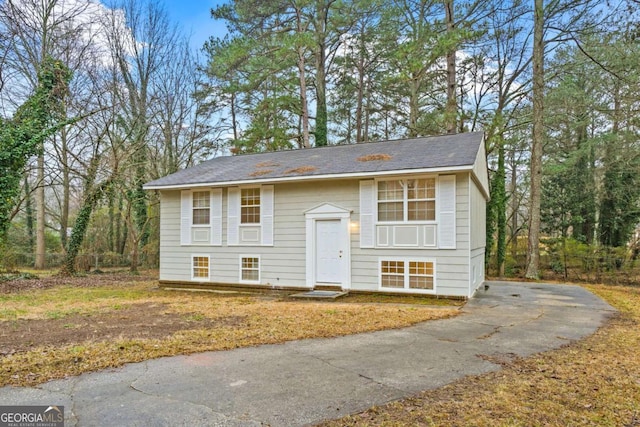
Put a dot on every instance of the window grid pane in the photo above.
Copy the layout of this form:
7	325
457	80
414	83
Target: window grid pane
201	199
421	189
201	267
250	206
250	275
201	217
420	275
392	274
390	211
251	215
390	190
201	208
416	197
389	281
417	282
251	269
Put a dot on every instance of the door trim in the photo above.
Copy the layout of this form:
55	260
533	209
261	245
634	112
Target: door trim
327	211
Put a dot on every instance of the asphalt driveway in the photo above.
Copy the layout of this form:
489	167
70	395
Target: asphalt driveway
304	382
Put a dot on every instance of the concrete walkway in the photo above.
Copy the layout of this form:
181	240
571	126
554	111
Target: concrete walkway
304	382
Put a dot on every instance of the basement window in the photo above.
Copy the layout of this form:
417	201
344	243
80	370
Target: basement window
407	274
200	267
250	269
392	274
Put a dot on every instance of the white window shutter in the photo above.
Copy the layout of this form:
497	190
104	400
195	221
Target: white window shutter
446	205
233	216
266	214
216	216
185	217
367	210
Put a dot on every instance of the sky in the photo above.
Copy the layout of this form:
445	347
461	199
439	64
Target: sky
194	17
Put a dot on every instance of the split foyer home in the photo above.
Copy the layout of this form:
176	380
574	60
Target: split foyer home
402	216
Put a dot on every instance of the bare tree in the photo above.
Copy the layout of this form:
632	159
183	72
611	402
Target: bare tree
537	140
39	29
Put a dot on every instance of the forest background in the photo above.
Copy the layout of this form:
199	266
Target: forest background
98	98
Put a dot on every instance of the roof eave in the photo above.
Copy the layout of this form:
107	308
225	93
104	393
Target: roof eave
285	179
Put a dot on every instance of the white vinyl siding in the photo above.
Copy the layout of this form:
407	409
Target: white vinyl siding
284	264
478	217
185	217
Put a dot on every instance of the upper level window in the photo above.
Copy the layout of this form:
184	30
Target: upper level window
407	200
250	206
201	208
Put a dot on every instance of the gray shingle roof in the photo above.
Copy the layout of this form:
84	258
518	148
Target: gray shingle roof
399	155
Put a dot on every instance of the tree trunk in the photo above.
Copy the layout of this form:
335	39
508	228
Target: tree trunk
533	246
28	209
119	246
111	237
360	90
79	230
66	184
514	205
133	268
321	79
500	194
234	120
304	115
40	216
451	110
414	107
91	198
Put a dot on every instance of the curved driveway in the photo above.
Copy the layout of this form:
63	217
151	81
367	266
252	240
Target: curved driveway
303	382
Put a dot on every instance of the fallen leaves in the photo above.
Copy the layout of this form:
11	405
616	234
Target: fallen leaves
300	170
375	157
135	321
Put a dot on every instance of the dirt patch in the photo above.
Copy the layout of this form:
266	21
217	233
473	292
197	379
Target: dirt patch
147	320
84	281
62	326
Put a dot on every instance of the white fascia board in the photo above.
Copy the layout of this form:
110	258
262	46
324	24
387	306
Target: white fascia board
310	178
483	190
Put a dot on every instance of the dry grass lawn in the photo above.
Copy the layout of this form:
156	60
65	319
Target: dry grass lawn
75	326
594	382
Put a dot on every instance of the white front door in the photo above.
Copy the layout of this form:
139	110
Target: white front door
329	252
